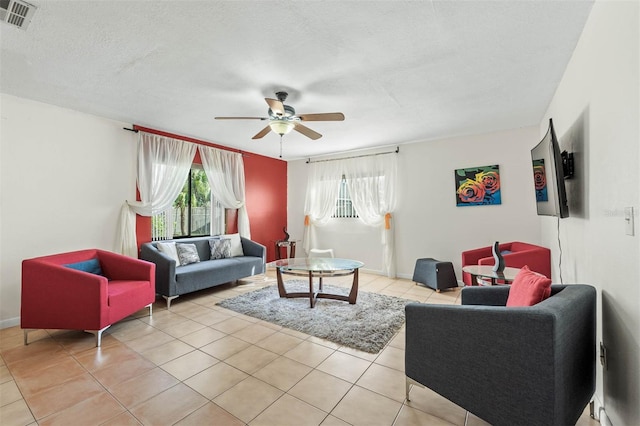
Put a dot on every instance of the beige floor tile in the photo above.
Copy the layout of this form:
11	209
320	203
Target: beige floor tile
38	380
167	352
189	364
225	347
426	400
231	325
385	381
5	374
16	413
114	373
139	389
90	411
182	328
170	406
212	317
98	358
398	341
282	373
295	333
64	395
344	366
129	330
163	318
289	411
279	343
391	357
124	419
323	342
333	421
248	398
149	341
202	337
321	390
411	417
215	380
251	359
310	354
358	353
254	333
9	393
35	355
210	415
363	407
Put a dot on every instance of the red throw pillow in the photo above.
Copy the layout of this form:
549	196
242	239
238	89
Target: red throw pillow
528	288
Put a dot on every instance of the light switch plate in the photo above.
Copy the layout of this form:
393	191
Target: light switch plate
628	219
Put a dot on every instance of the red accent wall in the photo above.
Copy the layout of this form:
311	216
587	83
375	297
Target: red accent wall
265	191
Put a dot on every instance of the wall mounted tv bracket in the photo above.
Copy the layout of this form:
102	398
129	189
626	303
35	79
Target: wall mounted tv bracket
567	164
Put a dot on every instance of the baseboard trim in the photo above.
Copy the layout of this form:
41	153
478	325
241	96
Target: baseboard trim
11	322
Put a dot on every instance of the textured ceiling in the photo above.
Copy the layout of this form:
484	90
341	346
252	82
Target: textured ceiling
400	71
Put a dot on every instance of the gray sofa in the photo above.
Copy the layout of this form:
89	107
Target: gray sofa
509	366
173	281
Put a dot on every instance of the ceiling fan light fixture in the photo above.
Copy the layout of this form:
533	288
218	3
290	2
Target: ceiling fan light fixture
281	127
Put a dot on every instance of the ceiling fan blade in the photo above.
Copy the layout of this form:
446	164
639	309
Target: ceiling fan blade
262	133
241	118
276	106
307	131
328	116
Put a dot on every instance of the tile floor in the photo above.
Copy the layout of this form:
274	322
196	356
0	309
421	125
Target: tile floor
199	364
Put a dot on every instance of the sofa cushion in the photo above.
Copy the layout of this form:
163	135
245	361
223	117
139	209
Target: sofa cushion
220	248
170	250
187	253
91	266
528	288
236	244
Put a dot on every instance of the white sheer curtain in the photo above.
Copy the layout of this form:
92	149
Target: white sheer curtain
372	186
163	165
323	185
225	172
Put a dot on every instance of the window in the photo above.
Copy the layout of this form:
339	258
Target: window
344	205
191	211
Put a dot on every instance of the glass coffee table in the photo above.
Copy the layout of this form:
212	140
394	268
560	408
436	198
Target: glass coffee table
319	267
486	271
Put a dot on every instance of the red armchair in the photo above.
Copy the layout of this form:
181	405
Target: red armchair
55	296
516	254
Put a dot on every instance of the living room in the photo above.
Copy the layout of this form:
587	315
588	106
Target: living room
67	172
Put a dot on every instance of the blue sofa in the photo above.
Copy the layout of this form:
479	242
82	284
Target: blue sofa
507	365
173	281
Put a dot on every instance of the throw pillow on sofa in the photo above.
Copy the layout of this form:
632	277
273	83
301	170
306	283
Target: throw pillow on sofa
220	248
91	266
236	244
170	250
188	253
528	288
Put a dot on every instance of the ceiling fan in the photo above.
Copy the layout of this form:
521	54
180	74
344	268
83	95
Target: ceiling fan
282	118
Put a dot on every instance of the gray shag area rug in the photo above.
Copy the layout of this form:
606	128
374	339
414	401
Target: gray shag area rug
367	326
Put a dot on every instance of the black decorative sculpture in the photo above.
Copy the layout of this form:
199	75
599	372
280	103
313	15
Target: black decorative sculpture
286	234
499	265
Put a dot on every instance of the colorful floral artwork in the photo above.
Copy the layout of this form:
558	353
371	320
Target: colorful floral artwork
478	186
540	180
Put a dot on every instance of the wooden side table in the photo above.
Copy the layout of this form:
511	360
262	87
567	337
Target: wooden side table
290	249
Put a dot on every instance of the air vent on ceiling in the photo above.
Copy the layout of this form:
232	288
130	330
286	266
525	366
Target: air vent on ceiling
16	12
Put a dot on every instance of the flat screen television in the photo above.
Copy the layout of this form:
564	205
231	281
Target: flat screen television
548	176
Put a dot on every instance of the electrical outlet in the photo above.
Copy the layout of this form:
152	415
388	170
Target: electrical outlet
628	219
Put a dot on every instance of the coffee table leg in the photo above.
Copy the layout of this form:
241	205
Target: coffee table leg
281	291
353	295
311	298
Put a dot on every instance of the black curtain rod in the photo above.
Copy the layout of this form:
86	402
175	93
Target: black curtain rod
355	156
131	130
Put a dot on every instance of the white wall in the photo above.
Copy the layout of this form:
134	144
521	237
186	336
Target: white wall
428	223
63	178
596	112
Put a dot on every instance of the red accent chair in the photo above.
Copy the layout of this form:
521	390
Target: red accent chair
516	254
55	296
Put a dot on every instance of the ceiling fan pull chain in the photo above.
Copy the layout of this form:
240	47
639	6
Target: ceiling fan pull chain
280	146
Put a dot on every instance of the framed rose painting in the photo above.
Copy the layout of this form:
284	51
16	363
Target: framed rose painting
478	186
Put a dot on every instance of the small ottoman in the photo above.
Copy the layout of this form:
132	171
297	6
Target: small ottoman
435	274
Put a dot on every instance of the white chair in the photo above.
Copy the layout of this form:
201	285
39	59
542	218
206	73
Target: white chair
321	252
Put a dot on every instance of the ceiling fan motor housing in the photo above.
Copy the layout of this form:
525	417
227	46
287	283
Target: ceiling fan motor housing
288	112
